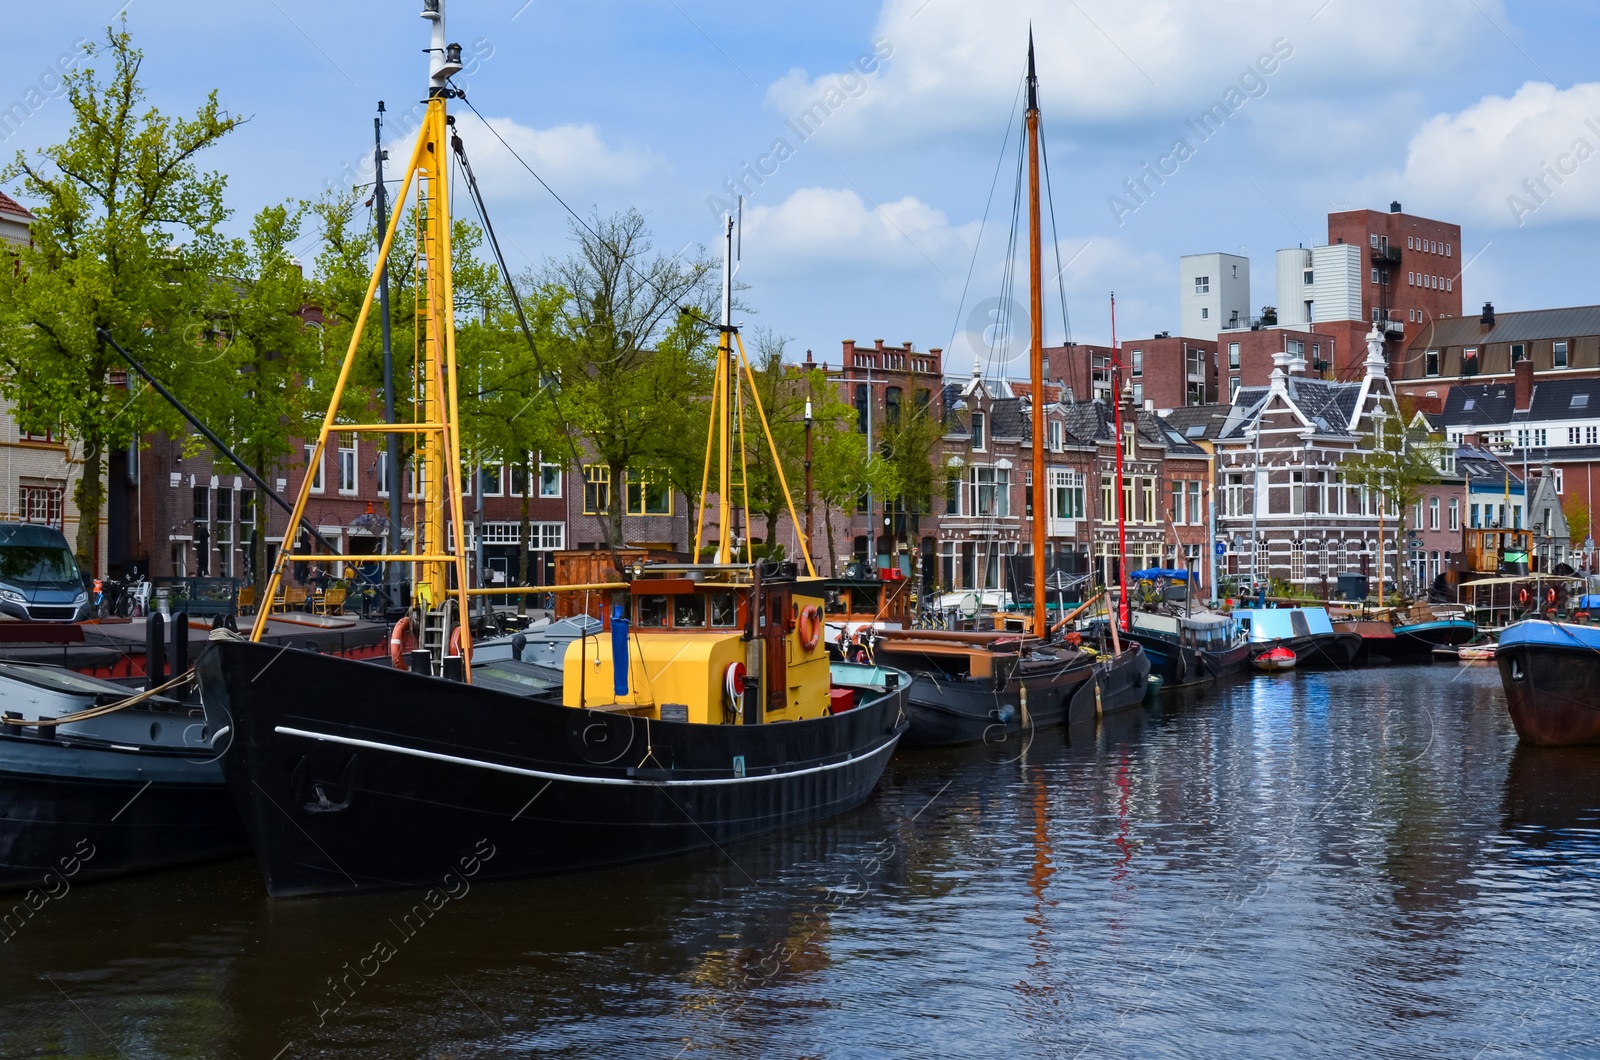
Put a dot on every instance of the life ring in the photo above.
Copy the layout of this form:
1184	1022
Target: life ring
401	643
455	641
1522	596
1550	596
810	627
733	684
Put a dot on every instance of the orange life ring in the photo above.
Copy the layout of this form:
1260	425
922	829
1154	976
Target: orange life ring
810	627
401	643
1550	595
1522	595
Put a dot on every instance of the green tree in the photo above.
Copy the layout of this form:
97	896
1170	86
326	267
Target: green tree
905	473
838	456
126	239
631	369
264	387
1576	509
1394	462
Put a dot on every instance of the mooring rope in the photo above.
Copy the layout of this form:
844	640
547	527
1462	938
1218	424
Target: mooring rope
109	708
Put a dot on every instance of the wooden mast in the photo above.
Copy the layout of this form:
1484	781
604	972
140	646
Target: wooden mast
1041	619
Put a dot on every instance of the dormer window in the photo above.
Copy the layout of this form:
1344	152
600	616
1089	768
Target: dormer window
978	425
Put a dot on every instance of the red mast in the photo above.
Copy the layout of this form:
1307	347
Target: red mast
1122	515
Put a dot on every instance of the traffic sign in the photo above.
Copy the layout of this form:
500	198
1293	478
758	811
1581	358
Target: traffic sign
1222	550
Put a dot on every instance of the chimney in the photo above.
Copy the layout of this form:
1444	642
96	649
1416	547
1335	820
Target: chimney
878	345
1523	384
1394	206
849	353
1470	439
1487	320
809	361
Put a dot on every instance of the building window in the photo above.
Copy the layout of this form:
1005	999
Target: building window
383	473
1541	436
977	432
1591	435
1151	515
1560	488
1056	438
1137	362
952	497
1297	561
1138	395
1560	353
491	478
596	489
1197	512
1430	362
42	504
1233	355
247	507
1202	285
1518	351
991	492
863	408
1205	313
1297	493
648	494
1178	514
1233	387
891	406
1433	513
1106	510
1447	250
1066	494
1449	285
549	479
1455	514
202	504
316	471
347	462
1411	242
1573	434
1308	277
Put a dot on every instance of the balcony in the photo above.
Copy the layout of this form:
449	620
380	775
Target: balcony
1395	328
1385	255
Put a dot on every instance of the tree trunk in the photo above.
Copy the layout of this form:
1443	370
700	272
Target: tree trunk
258	546
772	533
528	486
619	491
89	496
833	551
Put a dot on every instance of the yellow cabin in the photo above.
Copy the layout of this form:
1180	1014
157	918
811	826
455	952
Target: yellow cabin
711	650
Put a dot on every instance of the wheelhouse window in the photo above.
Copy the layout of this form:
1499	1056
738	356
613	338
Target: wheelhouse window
724	610
650	612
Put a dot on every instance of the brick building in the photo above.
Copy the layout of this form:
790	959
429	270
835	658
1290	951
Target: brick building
1169	372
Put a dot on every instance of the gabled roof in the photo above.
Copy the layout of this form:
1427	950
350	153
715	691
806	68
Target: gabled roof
1052	392
1199	421
1478	405
1565	399
8	205
1480	465
1006	419
1530	326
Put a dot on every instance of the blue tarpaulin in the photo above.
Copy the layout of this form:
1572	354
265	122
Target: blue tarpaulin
1163	572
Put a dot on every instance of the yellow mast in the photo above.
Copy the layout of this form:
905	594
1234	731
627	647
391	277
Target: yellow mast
437	413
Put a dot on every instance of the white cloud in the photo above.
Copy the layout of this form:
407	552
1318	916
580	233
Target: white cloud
570	158
836	225
1530	158
1105	61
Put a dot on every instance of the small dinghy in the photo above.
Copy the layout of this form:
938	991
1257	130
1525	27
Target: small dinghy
1279	658
1476	654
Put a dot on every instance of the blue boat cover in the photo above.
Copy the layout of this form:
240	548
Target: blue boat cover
1163	572
1542	632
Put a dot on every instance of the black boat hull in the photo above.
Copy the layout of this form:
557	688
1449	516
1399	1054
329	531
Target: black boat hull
946	713
71	813
1183	666
1551	681
1120	683
389	779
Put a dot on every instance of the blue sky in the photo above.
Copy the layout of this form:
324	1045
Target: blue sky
866	227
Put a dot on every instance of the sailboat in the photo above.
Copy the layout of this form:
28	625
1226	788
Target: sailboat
993	685
708	711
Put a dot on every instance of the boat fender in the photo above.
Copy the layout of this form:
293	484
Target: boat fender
455	641
810	627
401	643
1183	667
733	683
1006	714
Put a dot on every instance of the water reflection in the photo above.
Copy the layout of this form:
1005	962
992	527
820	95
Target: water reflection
1312	865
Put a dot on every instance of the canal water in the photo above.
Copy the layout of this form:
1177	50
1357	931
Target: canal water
1316	864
